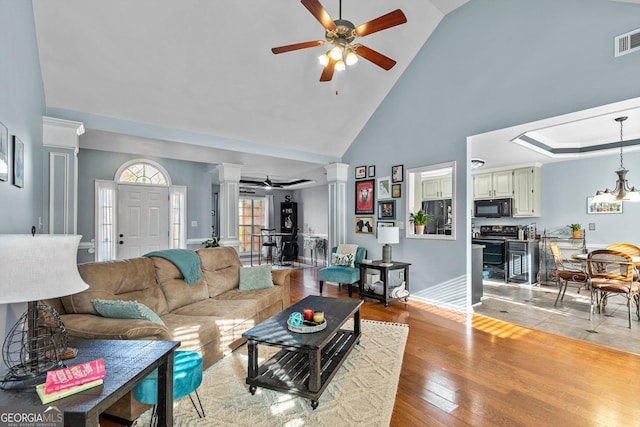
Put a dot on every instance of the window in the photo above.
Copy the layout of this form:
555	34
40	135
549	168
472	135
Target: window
105	193
252	213
142	173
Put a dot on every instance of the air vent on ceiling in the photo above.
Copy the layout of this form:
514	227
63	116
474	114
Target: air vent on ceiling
627	43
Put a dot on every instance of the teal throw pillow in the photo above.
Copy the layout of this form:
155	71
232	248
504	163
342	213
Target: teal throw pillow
125	310
258	277
347	260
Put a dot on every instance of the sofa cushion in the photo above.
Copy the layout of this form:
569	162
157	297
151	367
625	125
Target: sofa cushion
220	267
254	278
229	313
129	280
176	291
262	298
125	310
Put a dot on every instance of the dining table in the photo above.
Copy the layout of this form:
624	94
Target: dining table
583	257
279	238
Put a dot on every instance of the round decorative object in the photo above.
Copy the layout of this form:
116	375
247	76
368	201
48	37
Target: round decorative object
306	327
296	319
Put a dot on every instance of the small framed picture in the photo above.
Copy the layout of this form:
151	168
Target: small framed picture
371	172
18	162
361	172
397	173
383	189
4	153
387	209
603	207
396	191
365	194
364	224
384	224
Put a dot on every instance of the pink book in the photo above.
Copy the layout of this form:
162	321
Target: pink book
75	375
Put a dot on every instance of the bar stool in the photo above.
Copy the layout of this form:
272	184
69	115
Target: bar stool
187	377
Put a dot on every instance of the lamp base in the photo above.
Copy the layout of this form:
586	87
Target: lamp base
386	254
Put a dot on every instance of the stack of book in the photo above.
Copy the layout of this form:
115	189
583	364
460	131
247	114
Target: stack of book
67	381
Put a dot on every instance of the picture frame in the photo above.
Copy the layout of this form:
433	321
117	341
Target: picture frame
396	191
365	196
383	187
361	172
384	224
597	208
371	171
387	209
397	173
18	162
4	152
364	224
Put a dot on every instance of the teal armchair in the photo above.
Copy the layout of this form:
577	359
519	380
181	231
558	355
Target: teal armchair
341	274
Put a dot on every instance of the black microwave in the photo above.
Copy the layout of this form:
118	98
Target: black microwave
494	208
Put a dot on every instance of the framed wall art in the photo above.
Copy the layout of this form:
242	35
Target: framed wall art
361	172
397	173
4	152
365	194
364	224
387	209
603	207
18	162
383	188
371	172
396	191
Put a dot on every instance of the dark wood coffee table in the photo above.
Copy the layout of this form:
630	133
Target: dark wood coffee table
307	362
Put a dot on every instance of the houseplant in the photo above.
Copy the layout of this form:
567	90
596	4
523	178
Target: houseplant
575	230
420	219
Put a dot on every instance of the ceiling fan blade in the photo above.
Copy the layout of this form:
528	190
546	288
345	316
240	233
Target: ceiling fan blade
383	22
376	57
327	73
296	46
320	13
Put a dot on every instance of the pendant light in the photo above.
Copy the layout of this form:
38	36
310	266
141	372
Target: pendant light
622	192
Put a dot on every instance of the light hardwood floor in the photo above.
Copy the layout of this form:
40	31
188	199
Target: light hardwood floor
473	370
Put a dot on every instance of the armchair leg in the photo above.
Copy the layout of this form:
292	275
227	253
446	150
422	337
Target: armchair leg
350	286
321	285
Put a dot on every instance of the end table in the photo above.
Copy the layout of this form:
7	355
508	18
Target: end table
384	269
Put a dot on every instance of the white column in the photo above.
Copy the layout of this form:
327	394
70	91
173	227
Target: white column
337	185
229	175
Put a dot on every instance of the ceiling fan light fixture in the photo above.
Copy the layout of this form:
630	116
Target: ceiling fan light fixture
351	58
336	53
324	59
340	65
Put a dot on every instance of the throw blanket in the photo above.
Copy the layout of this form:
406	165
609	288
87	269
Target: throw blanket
188	262
345	248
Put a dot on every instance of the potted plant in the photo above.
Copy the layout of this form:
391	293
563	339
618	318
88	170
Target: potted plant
575	230
211	243
420	219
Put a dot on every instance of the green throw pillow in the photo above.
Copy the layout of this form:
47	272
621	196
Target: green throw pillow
125	310
258	277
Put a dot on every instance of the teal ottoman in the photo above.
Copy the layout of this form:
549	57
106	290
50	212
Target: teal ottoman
187	377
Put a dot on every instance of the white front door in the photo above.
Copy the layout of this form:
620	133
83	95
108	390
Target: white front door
143	220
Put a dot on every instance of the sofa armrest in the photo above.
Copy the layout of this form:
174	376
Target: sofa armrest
281	277
89	326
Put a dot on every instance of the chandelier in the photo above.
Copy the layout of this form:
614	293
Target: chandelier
622	191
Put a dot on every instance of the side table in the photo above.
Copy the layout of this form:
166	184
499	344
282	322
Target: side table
384	276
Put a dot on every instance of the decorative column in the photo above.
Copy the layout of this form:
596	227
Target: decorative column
229	176
337	184
60	145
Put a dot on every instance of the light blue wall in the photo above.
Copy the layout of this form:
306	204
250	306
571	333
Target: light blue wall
21	109
490	65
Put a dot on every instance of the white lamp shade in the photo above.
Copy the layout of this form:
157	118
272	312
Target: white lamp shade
388	235
38	267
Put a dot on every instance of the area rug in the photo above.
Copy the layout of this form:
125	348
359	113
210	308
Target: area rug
361	393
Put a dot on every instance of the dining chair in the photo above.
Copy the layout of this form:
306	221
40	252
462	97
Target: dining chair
268	243
566	272
627	248
612	272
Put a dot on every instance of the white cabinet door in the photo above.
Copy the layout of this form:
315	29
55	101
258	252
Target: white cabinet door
526	192
446	187
493	185
503	184
431	189
482	186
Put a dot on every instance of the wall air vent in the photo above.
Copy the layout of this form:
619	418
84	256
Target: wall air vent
627	43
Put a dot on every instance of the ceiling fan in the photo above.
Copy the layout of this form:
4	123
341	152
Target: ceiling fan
268	183
340	34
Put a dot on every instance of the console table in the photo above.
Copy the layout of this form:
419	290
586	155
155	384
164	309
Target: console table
126	362
384	269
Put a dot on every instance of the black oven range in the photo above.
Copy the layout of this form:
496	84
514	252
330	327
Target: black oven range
494	255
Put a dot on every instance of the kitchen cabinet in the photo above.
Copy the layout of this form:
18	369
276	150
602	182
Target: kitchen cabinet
493	185
526	192
522	261
437	188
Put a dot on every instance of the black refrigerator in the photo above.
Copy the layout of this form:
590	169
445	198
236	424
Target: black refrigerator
442	213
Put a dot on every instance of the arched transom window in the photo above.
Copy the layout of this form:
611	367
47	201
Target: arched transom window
143	173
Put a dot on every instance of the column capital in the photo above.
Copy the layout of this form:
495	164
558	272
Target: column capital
337	172
229	172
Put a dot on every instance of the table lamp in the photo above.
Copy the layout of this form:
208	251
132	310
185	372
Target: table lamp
388	236
34	268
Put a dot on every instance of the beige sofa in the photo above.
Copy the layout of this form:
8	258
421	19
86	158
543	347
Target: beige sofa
208	317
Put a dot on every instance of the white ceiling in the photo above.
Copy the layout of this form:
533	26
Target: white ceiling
145	74
205	70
